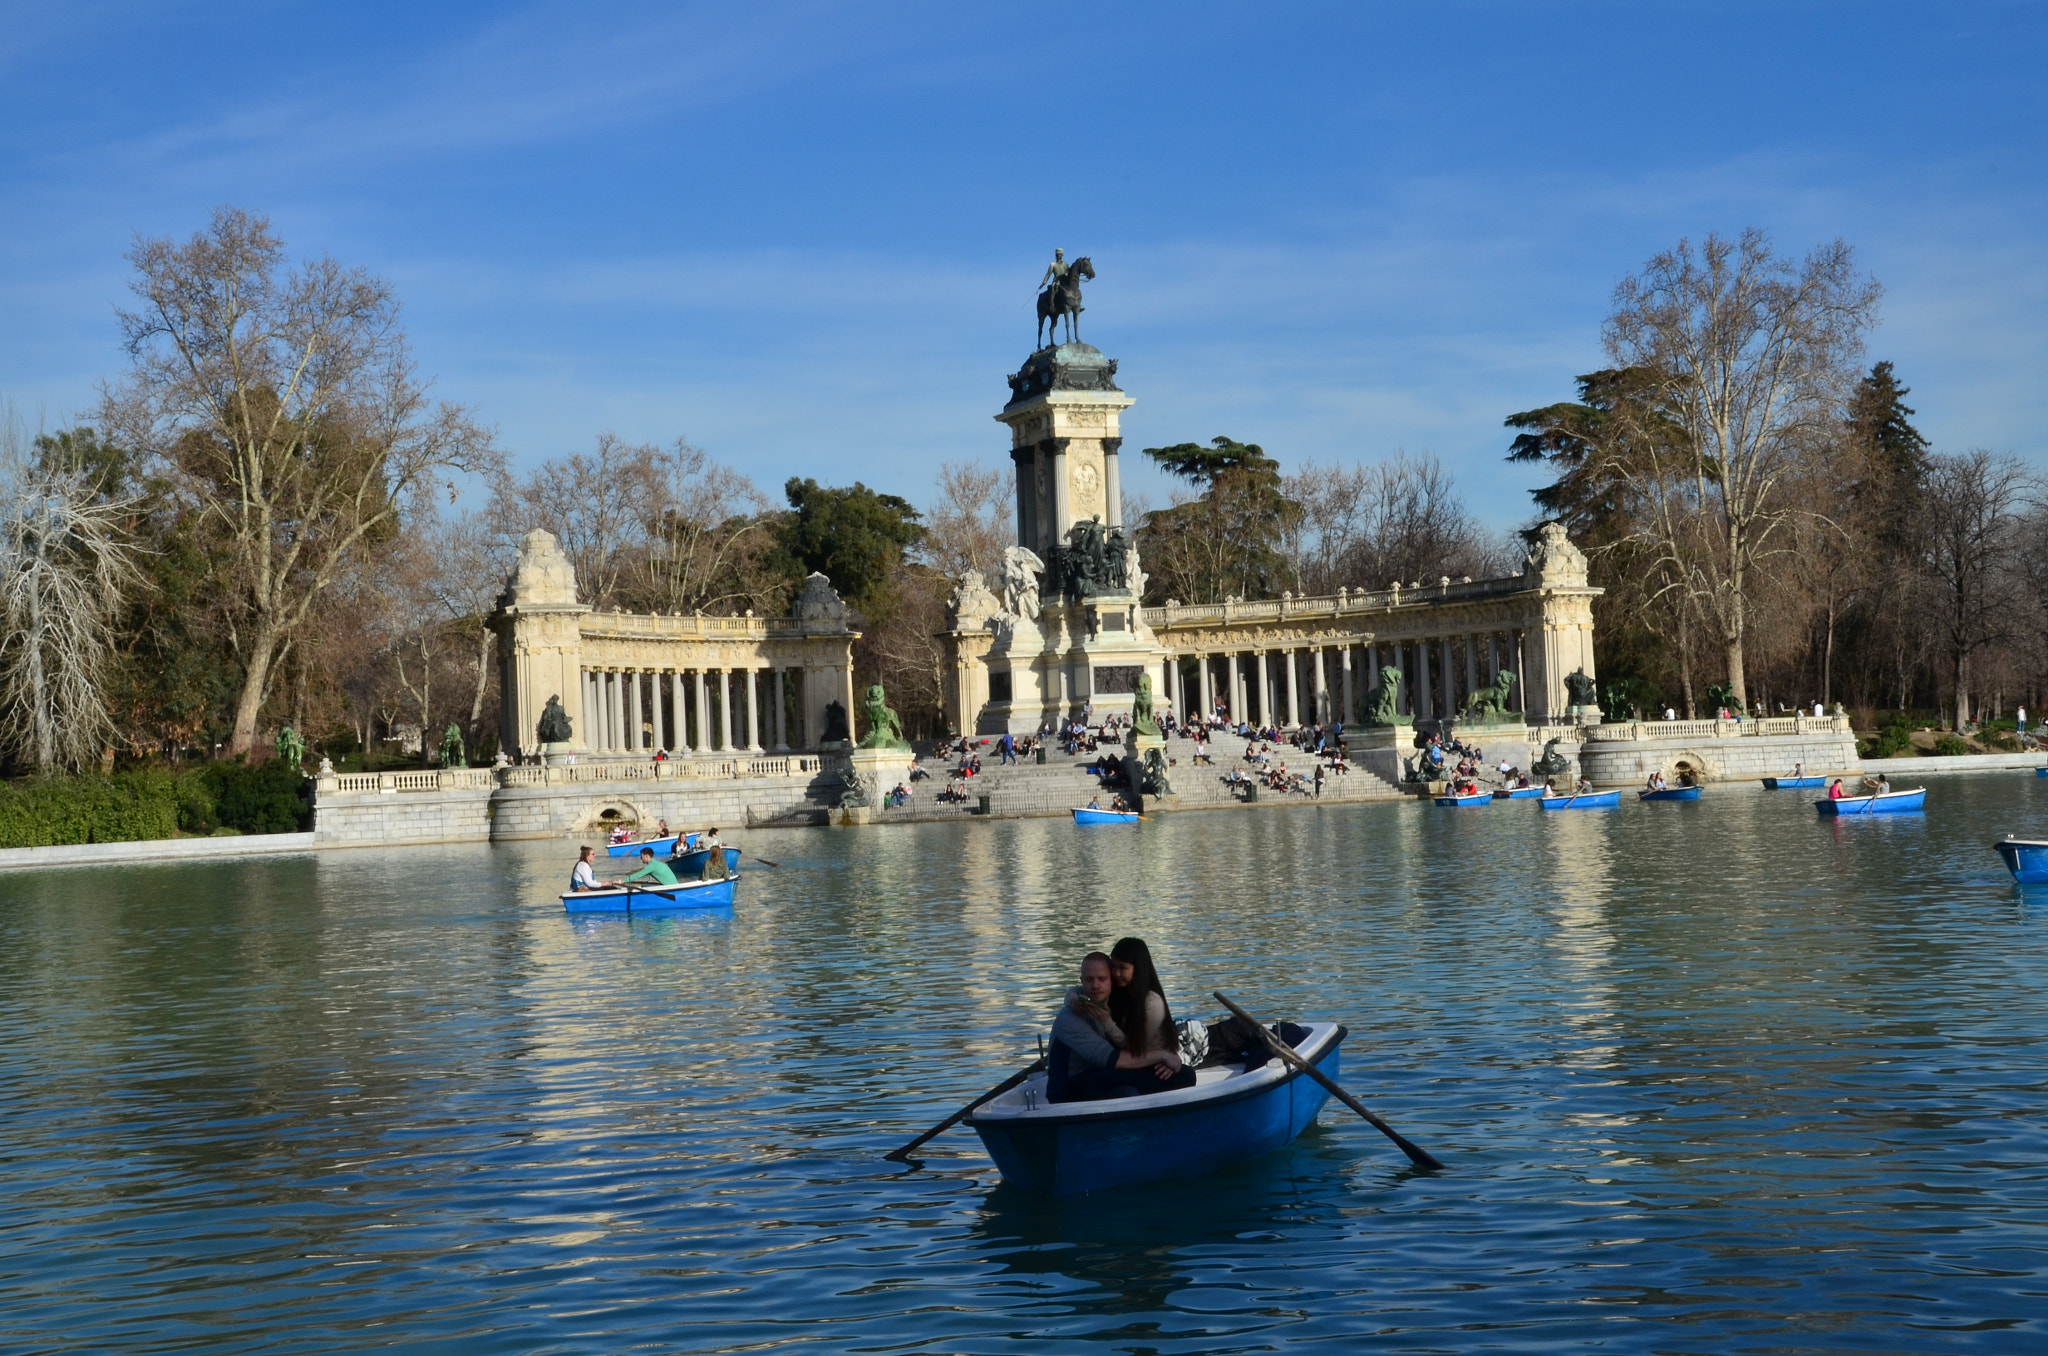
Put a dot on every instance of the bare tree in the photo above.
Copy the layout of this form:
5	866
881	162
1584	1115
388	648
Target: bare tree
1368	526
281	404
1751	358
1974	587
973	521
66	570
662	529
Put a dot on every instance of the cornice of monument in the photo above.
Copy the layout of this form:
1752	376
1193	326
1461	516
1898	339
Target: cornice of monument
1060	370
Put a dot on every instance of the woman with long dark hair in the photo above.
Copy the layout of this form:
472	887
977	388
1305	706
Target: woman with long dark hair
1137	1002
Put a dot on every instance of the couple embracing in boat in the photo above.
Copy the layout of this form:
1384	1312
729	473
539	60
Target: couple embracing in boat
1114	1036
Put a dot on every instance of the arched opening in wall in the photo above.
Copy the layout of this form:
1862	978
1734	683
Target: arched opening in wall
1685	773
608	815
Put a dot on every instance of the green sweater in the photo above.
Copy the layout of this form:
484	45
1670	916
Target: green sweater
656	871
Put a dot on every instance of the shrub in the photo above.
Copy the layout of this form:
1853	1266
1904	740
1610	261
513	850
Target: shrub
1950	746
268	798
126	807
1891	741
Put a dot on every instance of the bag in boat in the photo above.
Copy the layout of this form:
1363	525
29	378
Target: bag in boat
1236	1041
1194	1043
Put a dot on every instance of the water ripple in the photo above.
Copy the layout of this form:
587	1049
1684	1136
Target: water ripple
1710	1078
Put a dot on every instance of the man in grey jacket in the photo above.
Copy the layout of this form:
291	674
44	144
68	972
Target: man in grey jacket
1088	1061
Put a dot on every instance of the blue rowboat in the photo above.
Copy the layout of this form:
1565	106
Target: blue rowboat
1087	816
1792	783
2026	858
1476	798
1672	793
2041	772
691	864
1233	1112
662	847
1519	793
695	894
1890	803
1585	800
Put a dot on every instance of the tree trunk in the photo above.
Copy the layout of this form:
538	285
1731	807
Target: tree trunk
255	683
1827	657
1735	672
1962	691
483	682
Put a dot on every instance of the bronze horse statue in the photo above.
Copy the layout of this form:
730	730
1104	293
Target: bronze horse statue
1063	298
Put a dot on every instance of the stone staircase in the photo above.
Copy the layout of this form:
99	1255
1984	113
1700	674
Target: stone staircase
1027	788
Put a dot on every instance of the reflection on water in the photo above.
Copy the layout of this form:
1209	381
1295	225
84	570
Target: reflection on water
1710	1078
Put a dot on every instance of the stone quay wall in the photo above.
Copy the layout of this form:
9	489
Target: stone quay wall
1626	753
475	805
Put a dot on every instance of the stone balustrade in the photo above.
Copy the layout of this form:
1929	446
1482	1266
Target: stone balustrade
801	766
1636	730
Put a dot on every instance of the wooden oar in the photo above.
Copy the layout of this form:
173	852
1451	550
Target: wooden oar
763	860
1420	1157
903	1154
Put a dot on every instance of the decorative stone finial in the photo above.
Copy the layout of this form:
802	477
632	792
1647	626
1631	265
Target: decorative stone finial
542	576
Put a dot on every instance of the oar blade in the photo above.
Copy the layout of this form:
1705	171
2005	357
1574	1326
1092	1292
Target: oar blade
1417	1155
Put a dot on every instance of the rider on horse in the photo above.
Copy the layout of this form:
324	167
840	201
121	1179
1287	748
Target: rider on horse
1060	292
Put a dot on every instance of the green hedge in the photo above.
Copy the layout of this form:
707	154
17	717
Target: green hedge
152	803
61	810
267	798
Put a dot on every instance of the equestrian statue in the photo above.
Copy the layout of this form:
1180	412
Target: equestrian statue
1060	295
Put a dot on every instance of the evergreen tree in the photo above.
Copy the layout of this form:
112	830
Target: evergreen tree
1230	541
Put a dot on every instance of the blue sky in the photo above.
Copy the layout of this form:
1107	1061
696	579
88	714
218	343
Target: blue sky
806	236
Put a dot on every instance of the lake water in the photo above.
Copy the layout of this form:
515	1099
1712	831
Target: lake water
1708	1078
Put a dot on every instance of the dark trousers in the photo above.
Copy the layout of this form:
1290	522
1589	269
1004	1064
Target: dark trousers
1064	1084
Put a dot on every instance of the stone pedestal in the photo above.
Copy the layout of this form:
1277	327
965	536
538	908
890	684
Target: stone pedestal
1379	749
1583	715
878	771
1138	743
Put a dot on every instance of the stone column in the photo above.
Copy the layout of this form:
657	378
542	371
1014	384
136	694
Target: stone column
1350	705
753	681
1471	665
1322	689
705	743
723	684
587	727
1421	700
1290	662
781	710
660	716
1265	690
1447	684
1237	686
1202	684
1516	700
1062	509
1112	485
635	721
1492	656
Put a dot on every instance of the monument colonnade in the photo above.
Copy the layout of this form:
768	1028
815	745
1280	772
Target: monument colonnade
1296	661
629	683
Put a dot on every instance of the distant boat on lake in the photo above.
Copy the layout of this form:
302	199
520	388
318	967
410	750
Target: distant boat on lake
696	894
1886	803
1474	798
1519	793
1672	793
1792	783
662	846
1083	815
1583	800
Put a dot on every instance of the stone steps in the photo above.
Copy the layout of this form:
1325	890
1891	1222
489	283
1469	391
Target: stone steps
1029	788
